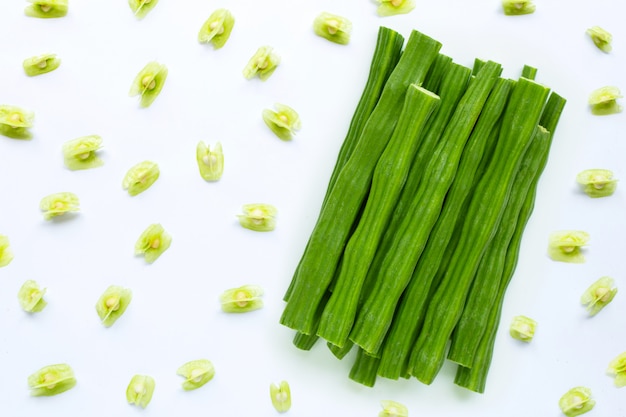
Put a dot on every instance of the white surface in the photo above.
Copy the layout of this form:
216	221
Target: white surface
175	316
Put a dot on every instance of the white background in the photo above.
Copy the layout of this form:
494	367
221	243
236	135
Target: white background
175	315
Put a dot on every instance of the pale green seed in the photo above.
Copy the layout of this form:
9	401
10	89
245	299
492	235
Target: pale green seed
140	177
280	395
30	297
149	82
617	368
140	390
566	246
393	409
51	380
597	183
284	121
258	217
141	8
196	373
601	38
210	161
599	295
46	9
59	204
217	28
112	304
242	299
333	27
523	328
262	64
576	401
394	7
40	64
81	153
518	7
15	122
6	254
153	242
603	101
